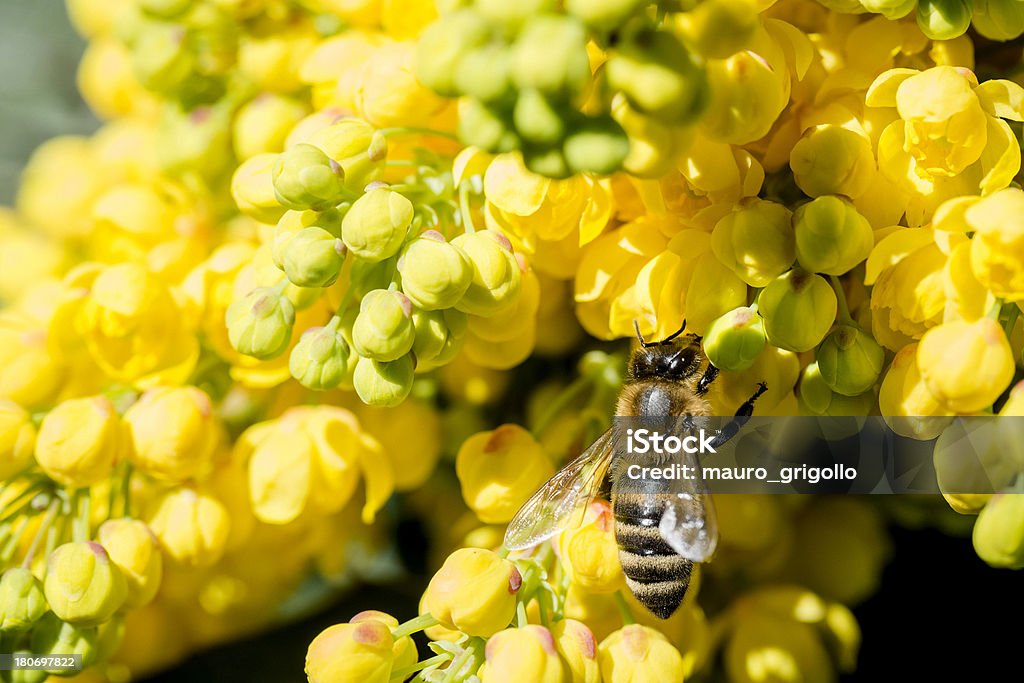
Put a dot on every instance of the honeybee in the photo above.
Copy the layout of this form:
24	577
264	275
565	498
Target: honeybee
661	527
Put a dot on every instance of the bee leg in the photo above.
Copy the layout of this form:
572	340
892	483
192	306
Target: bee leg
743	414
709	376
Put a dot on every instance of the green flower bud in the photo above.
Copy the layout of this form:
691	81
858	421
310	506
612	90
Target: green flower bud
659	77
483	73
537	119
260	325
196	140
383	383
306	178
831	159
383	330
831	236
443	44
604	15
850	360
262	125
755	241
83	586
813	392
293	222
734	341
546	161
798	309
322	359
376	225
52	636
598	145
496	276
21	600
435	274
161	59
314	258
943	19
999	531
997	19
484	127
439	337
551	55
357	147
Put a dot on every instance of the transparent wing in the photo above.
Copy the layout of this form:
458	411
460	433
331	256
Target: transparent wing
688	522
562	501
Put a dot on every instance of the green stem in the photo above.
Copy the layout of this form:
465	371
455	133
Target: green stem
993	312
521	618
465	211
452	672
1011	319
126	491
12	543
80	529
624	611
568	395
43	530
400	674
18	505
414	625
844	309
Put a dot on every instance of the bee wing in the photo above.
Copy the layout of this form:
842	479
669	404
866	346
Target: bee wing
562	501
688	522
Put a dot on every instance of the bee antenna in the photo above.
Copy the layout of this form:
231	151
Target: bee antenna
636	326
675	334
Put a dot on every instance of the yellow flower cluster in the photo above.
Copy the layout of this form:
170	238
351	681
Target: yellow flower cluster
288	276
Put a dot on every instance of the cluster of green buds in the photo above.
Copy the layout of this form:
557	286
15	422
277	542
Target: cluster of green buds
65	585
401	264
794	261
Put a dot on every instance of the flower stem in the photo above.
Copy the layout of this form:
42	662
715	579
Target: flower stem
400	674
624	611
414	625
43	530
844	309
521	618
80	529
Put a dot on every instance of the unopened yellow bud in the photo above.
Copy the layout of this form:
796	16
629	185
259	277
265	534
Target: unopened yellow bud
522	654
496	274
376	225
435	274
590	553
383	330
966	365
439	337
850	360
135	551
755	241
719	28
191	524
351	653
578	648
354	145
798	309
79	441
831	236
404	648
174	432
639	653
22	603
474	592
999	531
830	159
83	586
260	325
262	124
306	178
383	383
499	470
252	188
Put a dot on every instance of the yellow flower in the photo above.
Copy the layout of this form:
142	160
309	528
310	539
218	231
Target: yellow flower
950	138
79	441
966	365
191	524
312	457
638	653
83	586
474	592
174	432
130	324
387	92
499	470
412	461
906	403
134	549
25	257
996	249
999	531
590	554
17	438
522	654
252	188
578	648
347	653
67	163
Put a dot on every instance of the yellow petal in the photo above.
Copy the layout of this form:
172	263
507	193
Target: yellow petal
794	42
378	478
469	162
511	187
893	249
1001	159
882	92
950	216
1002	98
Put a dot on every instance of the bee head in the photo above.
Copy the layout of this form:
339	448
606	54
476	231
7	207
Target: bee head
671	358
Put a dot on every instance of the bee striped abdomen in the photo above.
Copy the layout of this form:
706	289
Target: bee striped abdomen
655	573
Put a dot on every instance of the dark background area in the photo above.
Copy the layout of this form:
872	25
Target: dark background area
935	589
